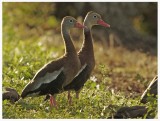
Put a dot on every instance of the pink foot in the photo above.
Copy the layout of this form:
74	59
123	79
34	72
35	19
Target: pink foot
69	98
77	95
52	102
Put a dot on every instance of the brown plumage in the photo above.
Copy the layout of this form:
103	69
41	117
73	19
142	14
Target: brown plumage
152	89
86	53
10	94
130	112
52	77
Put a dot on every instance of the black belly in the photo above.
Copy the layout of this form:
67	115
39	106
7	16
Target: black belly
79	81
53	87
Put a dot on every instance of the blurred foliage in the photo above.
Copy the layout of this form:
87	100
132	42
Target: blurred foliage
28	19
133	25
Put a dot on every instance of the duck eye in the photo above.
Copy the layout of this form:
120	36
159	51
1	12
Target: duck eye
71	21
94	16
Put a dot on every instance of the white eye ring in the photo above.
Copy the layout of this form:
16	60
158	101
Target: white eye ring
71	21
94	16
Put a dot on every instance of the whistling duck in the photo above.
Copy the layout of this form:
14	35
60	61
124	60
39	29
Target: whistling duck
52	77
10	94
86	54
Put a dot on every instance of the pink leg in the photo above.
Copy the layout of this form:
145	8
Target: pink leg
53	101
77	95
69	98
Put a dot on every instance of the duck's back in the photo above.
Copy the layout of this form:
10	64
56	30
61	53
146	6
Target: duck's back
48	79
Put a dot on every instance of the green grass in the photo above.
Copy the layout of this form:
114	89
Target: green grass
21	60
121	75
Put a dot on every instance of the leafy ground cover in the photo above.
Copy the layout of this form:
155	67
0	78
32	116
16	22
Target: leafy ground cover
119	78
